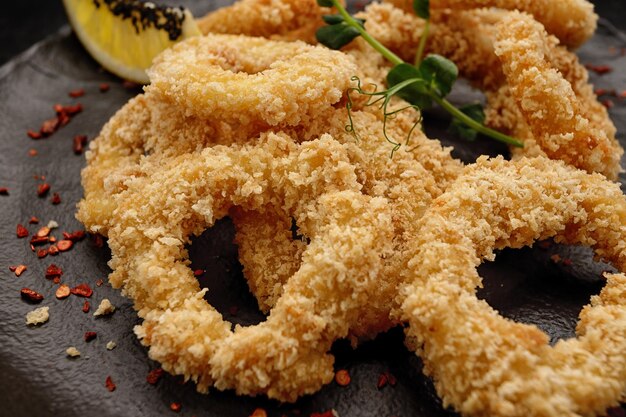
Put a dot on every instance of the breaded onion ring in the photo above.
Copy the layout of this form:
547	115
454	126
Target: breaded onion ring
282	19
251	80
285	356
572	21
548	102
482	363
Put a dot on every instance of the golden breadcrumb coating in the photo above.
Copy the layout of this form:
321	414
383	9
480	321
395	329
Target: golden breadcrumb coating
548	102
281	19
285	356
243	80
572	21
482	363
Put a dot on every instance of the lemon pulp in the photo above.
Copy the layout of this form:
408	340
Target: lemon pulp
124	36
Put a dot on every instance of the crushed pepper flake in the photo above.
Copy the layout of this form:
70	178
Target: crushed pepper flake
109	384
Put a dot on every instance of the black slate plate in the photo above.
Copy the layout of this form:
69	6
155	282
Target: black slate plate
38	379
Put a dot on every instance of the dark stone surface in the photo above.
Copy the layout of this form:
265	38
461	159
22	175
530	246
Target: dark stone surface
37	378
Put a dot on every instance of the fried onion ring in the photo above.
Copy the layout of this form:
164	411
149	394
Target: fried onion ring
572	21
548	102
238	79
482	363
285	356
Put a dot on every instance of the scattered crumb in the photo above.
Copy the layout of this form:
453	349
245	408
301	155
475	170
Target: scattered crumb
38	316
111	345
52	224
105	308
72	352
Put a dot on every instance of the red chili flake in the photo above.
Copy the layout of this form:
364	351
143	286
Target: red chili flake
599	69
65	245
198	272
12	268
259	412
129	85
86	306
342	378
391	379
33	135
53	271
32	152
82	290
52	239
79	143
382	381
545	244
109	384
50	126
36	240
74	236
63	118
56	199
53	250
99	282
31	295
567	262
21	231
608	103
43	232
72	110
42	189
600	91
154	376
98	241
104	87
4	191
62	292
42	253
175	407
622	94
33	220
19	270
76	93
89	336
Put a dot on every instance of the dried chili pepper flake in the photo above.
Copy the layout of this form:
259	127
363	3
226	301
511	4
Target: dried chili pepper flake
609	104
175	407
97	240
63	118
259	412
56	199
62	292
76	236
52	239
76	93
53	250
567	262
53	271
99	282
109	384
89	336
31	295
82	290
58	108
33	135
198	272
104	87
56	280
154	376
600	91
391	379
49	126
33	220
72	110
546	244
86	306
42	253
21	231
129	85
42	189
12	268
19	270
32	152
382	381
43	232
342	378
37	240
599	69
65	245
78	145
4	191
622	94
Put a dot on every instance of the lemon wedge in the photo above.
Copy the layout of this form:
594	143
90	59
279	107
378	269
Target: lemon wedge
124	36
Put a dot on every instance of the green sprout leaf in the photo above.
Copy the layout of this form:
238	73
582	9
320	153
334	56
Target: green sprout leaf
440	72
422	8
333	19
475	112
416	92
336	36
325	3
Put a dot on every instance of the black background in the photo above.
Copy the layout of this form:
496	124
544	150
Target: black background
36	379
